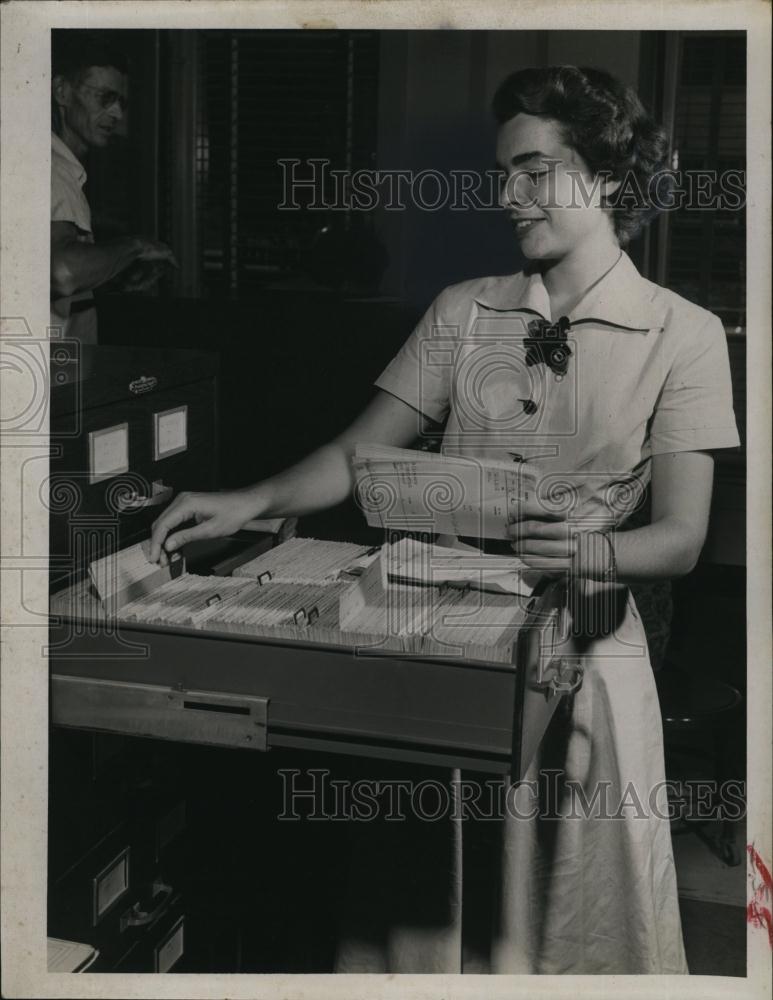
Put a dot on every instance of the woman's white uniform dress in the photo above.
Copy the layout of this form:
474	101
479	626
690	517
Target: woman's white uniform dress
648	374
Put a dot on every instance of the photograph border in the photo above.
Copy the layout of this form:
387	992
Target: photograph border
25	319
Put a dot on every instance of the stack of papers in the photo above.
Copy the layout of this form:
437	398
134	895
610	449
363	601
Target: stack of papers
189	600
122	576
408	597
430	620
411	561
423	491
307	560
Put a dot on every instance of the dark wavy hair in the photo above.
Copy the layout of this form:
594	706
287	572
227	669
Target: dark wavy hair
606	123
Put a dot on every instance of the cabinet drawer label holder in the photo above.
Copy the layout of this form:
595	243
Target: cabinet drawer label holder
110	885
169	951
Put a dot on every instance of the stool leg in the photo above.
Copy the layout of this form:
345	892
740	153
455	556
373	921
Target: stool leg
722	844
727	849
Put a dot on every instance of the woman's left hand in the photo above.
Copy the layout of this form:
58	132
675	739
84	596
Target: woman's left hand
545	542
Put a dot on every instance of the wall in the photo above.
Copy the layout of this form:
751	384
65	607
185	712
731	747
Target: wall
435	94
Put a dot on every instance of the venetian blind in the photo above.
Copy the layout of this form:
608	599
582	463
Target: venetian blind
266	96
708	246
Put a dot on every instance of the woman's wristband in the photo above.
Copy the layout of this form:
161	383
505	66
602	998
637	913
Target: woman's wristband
594	557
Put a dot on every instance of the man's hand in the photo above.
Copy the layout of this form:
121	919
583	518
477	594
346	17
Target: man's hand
154	250
140	276
78	266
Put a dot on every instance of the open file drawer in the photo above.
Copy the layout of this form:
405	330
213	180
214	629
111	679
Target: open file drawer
228	690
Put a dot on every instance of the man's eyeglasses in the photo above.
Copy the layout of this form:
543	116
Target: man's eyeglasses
107	98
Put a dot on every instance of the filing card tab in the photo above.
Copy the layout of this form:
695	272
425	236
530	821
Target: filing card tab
124	576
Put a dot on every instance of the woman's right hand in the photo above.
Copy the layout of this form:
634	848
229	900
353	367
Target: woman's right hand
216	515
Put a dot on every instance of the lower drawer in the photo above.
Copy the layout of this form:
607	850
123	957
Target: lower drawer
113	898
85	903
161	948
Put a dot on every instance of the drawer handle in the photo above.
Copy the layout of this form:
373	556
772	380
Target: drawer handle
562	676
145	383
135	916
208	706
133	501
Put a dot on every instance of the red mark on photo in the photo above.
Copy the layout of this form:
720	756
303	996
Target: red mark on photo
758	912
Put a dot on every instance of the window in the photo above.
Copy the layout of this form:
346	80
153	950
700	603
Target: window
265	96
706	247
698	83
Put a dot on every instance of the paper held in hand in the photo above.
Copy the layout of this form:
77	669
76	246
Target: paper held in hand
409	490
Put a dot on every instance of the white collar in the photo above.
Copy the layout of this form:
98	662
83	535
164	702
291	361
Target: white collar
622	297
74	165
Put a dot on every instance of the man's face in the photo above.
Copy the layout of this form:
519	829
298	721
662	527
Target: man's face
91	108
548	192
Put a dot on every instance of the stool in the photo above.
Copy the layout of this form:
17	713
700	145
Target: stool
700	705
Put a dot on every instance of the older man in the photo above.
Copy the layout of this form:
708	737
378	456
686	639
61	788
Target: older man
88	101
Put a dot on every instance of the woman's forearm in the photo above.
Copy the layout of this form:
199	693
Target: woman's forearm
325	478
322	479
665	549
671	544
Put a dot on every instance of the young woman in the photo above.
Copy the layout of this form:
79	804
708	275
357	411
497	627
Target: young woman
638	394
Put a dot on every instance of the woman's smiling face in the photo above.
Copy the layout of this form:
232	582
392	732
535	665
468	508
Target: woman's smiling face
549	193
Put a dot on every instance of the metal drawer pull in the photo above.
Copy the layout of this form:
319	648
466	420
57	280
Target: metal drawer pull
135	916
134	501
208	706
190	716
145	383
561	676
